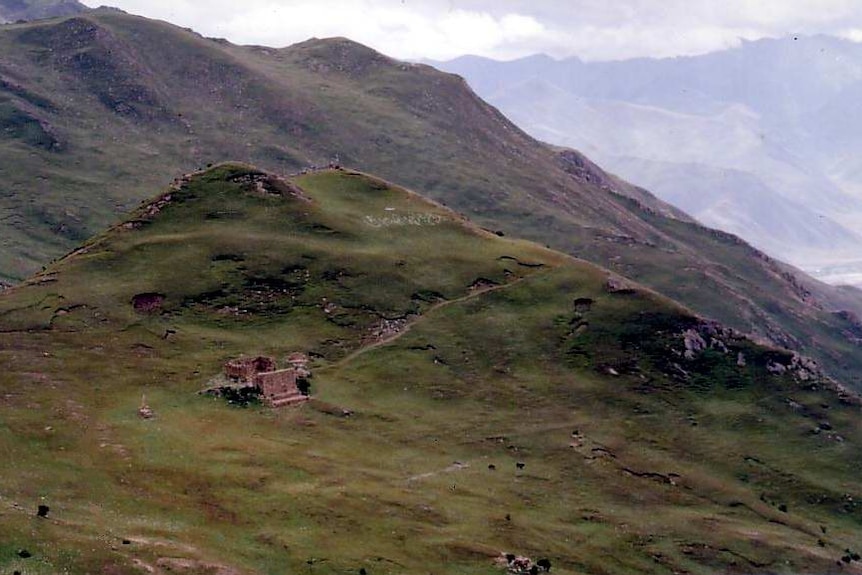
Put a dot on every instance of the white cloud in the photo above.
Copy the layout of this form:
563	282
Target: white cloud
443	29
595	43
785	14
400	32
401	29
854	34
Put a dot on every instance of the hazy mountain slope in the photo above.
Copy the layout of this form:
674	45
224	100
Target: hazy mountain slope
835	128
740	203
781	110
475	395
697	163
782	80
15	10
107	103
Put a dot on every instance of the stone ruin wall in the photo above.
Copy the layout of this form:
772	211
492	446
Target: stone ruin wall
277	387
245	369
277	383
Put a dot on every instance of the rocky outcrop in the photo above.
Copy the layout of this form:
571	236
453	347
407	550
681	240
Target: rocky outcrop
800	367
711	335
269	185
619	285
579	167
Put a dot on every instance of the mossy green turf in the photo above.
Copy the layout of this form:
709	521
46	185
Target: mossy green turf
634	473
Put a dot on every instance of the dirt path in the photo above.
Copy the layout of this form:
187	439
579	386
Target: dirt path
443	304
457	466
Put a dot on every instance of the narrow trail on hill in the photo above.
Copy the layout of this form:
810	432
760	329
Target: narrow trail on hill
389	339
457	466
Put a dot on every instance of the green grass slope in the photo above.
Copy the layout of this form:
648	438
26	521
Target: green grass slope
95	108
443	356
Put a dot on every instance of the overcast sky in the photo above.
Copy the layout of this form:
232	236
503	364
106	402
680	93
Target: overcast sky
506	29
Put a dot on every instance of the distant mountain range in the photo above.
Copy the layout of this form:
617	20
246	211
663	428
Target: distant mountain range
763	140
17	10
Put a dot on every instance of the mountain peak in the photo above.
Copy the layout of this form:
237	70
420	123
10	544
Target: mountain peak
339	54
15	10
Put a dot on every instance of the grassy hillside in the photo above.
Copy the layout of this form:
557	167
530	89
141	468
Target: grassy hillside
474	395
96	108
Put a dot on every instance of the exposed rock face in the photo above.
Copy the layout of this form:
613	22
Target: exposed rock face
694	343
268	184
153	208
386	328
802	368
618	285
577	165
710	335
582	169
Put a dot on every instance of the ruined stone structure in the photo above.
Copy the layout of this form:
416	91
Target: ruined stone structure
277	387
244	369
299	362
